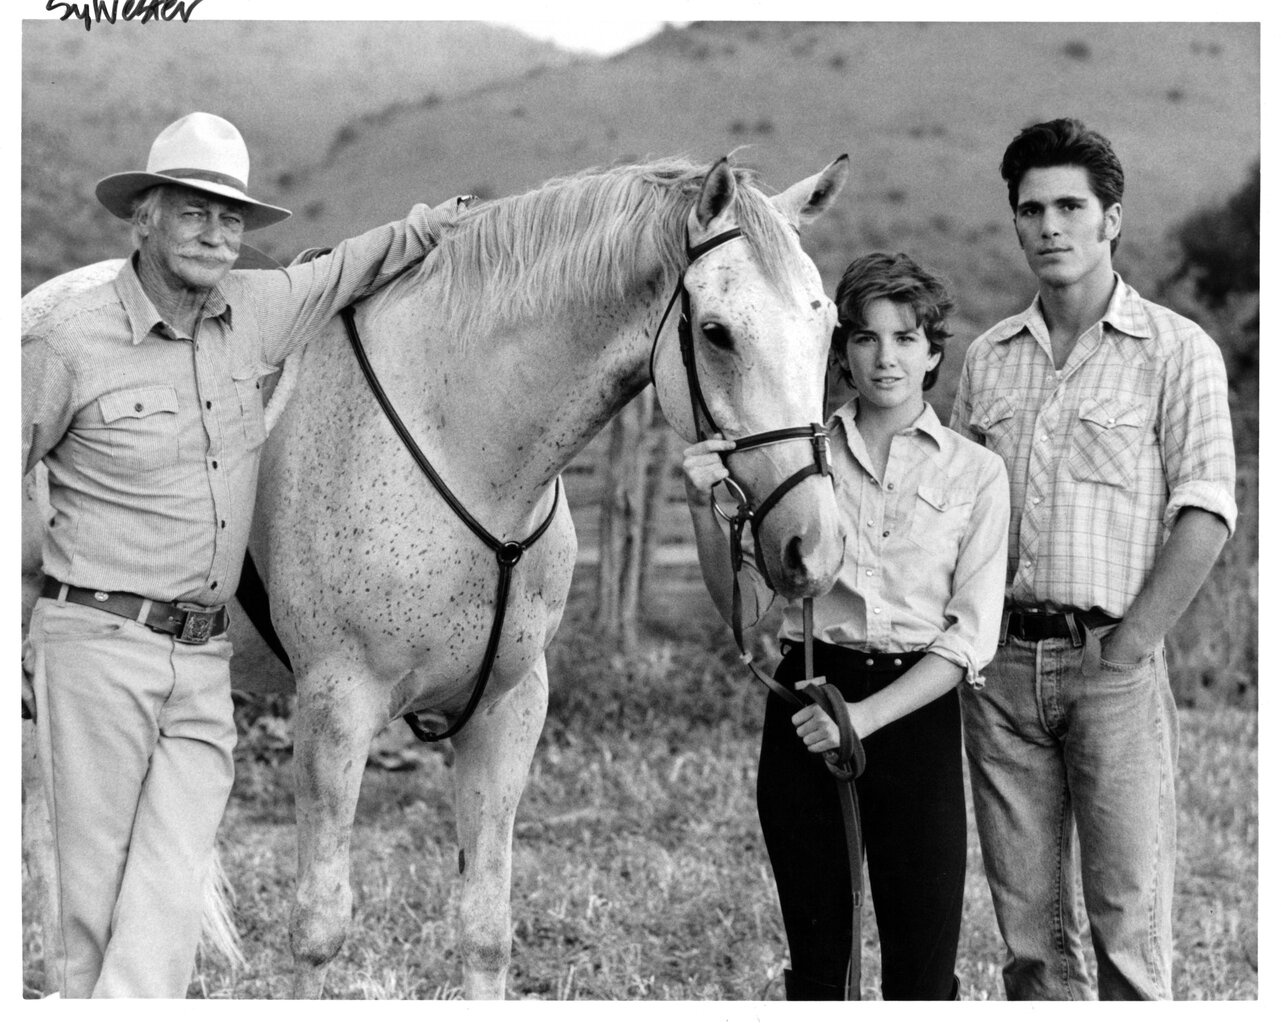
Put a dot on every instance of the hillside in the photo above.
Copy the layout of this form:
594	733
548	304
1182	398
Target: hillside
92	102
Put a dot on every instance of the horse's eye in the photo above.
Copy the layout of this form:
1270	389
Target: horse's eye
717	334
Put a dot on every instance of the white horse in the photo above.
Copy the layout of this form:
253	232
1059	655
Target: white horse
503	354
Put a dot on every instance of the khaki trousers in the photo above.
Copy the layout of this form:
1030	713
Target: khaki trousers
135	736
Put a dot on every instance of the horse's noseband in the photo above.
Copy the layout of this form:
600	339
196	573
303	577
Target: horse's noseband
815	433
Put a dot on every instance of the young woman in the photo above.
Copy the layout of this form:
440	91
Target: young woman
916	609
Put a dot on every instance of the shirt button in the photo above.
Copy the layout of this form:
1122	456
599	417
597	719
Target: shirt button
1111	422
1044	438
870	523
215	464
898	662
222	524
886	533
1036	500
1027	564
213	586
869	571
871	661
137	407
889	486
876	610
986	420
209	404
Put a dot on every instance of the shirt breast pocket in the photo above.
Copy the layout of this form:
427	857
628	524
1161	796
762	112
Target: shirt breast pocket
940	515
142	426
248	381
994	420
1106	439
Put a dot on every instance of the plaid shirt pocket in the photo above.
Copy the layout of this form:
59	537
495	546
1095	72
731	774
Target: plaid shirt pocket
1106	439
994	420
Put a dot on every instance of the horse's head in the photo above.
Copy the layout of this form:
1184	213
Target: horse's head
759	328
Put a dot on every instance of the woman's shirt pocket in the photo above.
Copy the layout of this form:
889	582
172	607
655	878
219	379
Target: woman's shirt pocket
1107	436
940	515
141	426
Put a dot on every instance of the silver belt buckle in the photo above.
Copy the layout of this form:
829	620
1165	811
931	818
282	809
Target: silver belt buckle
197	627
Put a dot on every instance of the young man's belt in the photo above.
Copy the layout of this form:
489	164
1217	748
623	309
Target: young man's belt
187	623
1033	625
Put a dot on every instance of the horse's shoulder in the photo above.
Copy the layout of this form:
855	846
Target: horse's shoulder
60	295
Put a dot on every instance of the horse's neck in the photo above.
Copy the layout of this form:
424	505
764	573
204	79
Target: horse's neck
509	412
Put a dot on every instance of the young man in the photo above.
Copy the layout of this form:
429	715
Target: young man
1111	415
914	614
142	398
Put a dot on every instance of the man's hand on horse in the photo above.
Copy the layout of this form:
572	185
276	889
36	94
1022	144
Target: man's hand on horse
704	466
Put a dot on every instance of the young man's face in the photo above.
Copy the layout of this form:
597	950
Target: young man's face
1065	232
193	238
888	356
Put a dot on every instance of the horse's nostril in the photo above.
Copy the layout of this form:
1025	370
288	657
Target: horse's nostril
794	555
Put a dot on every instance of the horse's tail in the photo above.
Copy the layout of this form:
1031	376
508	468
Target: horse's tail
218	933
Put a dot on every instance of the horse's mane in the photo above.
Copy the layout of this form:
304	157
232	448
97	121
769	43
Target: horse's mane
581	240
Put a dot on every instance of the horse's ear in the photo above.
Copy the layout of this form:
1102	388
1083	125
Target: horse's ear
812	197
717	193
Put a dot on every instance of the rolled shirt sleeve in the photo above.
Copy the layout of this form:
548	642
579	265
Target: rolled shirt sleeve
1196	433
973	611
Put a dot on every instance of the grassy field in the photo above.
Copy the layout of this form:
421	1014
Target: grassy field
639	871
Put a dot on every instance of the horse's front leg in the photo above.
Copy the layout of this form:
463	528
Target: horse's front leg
335	719
493	754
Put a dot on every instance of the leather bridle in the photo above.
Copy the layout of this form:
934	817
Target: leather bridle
815	433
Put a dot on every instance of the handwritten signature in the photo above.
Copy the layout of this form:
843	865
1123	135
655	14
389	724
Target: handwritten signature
143	10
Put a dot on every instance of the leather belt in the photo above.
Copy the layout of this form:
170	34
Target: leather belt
1032	625
187	623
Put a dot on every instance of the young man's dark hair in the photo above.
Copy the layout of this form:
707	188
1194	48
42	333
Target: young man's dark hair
1065	141
901	279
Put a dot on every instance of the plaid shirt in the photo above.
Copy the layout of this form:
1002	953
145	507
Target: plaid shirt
922	568
152	438
1104	453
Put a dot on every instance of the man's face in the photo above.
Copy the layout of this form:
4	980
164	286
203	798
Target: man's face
1065	232
193	239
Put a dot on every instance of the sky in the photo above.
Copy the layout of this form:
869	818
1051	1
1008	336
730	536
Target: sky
592	35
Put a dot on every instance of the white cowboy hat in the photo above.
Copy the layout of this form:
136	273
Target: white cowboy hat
200	151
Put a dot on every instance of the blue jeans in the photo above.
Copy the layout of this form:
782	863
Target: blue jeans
1072	766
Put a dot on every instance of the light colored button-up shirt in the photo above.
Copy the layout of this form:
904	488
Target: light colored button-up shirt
152	438
924	567
1103	454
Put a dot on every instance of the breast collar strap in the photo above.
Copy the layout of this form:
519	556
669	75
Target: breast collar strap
506	553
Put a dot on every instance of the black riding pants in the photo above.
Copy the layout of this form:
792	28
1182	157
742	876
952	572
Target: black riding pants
913	810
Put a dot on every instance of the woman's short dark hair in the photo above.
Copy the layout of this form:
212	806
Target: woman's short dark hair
1065	141
901	279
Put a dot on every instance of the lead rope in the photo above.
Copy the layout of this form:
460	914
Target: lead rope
846	762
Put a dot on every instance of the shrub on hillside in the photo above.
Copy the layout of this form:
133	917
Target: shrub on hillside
1214	649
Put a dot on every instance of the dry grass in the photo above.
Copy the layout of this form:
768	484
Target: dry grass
639	871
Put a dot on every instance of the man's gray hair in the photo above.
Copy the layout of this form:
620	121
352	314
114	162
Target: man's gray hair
145	205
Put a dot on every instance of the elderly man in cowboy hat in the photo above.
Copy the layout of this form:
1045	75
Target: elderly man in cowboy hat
142	398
